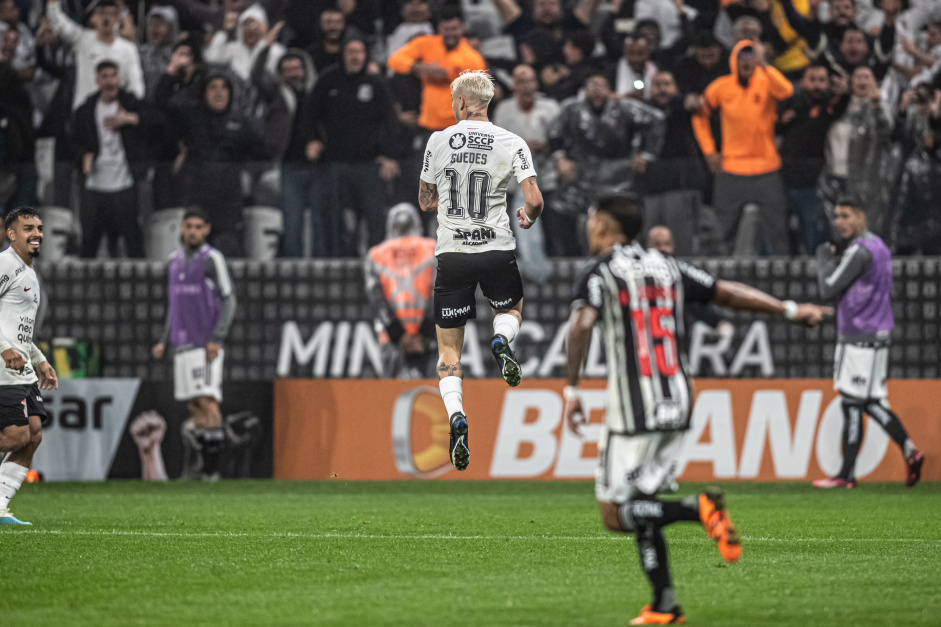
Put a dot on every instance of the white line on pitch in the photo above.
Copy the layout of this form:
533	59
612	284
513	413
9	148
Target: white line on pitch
360	536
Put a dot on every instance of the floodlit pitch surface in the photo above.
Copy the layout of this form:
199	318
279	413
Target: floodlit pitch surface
412	553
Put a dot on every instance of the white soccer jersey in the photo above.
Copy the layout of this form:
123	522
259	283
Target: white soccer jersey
471	163
19	302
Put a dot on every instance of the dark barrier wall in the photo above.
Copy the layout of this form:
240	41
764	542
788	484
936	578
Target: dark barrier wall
310	318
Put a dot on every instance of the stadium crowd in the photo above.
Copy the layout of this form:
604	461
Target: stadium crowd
741	121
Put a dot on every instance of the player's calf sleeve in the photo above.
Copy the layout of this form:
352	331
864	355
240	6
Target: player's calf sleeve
506	325
892	425
653	559
852	438
452	393
642	512
12	476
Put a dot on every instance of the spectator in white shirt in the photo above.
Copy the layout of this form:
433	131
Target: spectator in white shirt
529	115
239	44
634	71
416	21
91	47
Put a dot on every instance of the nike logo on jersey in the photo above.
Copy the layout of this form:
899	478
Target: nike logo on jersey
26	289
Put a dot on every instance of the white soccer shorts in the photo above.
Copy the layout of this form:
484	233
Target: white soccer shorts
861	371
193	377
636	464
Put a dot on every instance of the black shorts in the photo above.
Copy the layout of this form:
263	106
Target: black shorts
457	280
18	403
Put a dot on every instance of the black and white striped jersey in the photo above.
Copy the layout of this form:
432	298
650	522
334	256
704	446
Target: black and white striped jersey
640	296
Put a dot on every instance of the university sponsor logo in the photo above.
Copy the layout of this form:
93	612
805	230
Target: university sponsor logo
427	161
480	141
457	141
454	312
523	160
475	237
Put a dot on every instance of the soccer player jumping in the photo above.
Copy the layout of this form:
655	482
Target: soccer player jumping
863	283
639	296
469	165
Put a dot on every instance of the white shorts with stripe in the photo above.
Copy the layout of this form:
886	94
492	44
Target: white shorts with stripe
860	371
636	464
193	377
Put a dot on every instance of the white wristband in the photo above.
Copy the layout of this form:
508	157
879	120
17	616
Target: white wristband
570	393
790	309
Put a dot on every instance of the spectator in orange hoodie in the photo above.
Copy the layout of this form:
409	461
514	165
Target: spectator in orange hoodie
438	60
748	168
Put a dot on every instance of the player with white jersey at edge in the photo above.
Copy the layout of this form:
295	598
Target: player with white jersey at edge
638	296
464	177
26	369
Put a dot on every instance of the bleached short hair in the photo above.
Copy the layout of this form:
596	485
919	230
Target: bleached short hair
475	85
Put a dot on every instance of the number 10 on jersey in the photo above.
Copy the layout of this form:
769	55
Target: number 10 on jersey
478	192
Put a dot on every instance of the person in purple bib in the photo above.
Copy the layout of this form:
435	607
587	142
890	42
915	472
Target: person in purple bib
862	283
201	308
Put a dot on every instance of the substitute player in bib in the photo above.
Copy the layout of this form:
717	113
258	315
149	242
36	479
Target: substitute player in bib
863	284
639	297
464	177
25	370
202	306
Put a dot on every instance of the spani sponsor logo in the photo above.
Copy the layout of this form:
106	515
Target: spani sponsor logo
475	237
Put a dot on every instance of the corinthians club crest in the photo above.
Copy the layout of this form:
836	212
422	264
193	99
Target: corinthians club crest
457	141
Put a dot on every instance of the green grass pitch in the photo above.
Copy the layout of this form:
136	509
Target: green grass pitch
439	553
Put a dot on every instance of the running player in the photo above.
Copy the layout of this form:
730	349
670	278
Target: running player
471	164
639	296
202	306
863	284
25	370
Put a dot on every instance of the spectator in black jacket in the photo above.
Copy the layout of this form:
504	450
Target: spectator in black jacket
16	137
298	175
218	140
708	62
354	118
178	91
674	183
803	122
111	135
327	49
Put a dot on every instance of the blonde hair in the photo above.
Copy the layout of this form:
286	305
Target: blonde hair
475	85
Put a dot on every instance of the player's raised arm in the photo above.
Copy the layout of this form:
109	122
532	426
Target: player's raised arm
427	196
743	297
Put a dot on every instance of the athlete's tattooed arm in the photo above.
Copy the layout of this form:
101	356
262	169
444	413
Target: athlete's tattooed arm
427	196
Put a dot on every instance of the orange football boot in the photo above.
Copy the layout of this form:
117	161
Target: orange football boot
648	617
718	525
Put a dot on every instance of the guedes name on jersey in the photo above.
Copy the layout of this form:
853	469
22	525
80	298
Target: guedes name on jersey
469	157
